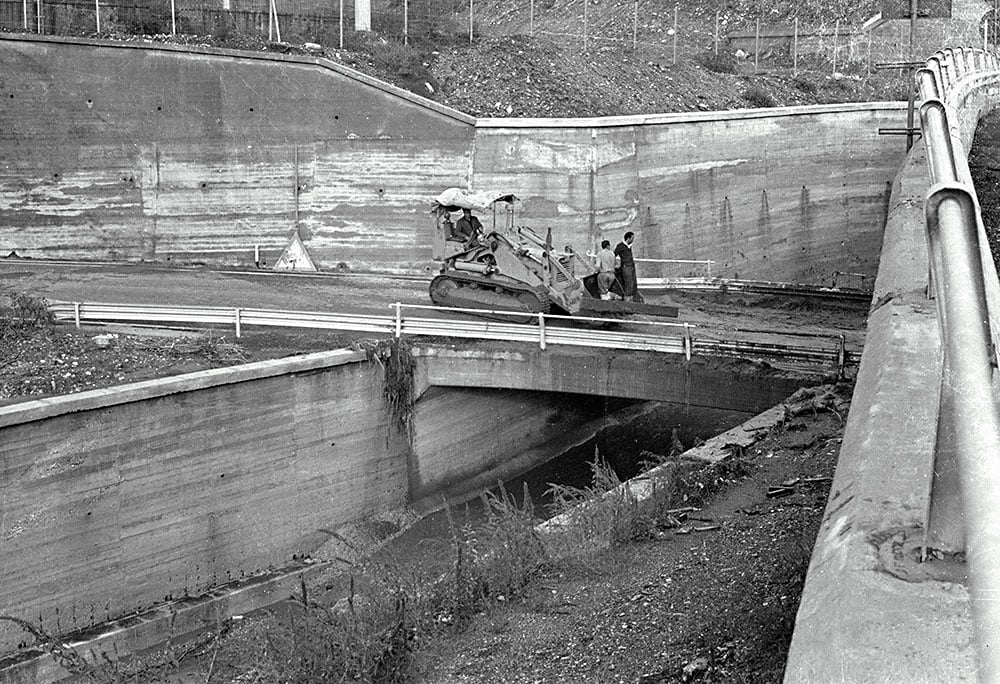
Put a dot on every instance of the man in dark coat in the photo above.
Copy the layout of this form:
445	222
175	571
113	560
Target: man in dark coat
626	268
469	228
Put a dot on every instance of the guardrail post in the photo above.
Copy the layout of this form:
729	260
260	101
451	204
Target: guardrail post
541	330
239	331
76	313
687	341
399	320
841	357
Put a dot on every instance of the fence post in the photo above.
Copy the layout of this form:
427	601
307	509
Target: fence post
687	341
38	16
836	41
76	313
239	330
541	330
531	18
756	46
841	356
795	49
341	24
399	320
717	33
585	27
470	21
868	54
173	18
676	10
406	22
97	14
635	26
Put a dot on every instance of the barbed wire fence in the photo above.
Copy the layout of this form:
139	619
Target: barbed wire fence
662	33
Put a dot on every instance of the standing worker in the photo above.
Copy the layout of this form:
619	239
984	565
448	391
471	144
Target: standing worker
605	269
626	268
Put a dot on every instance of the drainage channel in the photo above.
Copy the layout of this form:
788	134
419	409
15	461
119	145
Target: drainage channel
626	437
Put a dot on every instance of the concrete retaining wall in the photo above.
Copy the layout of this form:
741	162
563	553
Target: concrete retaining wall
114	500
468	439
124	151
192	154
780	194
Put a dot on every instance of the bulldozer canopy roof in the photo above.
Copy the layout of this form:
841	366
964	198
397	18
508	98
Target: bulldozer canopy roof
454	199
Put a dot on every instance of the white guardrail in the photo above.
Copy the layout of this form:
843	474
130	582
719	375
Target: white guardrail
671	338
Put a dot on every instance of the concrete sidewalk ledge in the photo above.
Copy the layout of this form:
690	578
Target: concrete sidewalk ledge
860	619
40	409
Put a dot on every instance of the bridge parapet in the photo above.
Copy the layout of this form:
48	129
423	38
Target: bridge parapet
911	497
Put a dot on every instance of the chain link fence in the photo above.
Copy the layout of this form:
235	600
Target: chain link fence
661	31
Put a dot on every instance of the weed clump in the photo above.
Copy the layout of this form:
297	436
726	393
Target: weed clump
22	313
720	64
395	357
493	560
756	96
805	85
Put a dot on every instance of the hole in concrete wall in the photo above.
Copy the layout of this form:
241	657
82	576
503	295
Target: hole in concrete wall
159	109
204	185
335	117
251	109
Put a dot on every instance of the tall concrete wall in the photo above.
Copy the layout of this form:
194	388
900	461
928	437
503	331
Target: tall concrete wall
157	153
114	500
785	194
124	152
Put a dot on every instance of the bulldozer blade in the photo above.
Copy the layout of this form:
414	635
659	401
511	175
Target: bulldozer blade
616	306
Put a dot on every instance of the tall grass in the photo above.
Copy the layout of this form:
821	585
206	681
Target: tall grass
22	313
373	633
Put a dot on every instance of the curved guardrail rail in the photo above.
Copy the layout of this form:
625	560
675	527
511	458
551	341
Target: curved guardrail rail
963	511
832	350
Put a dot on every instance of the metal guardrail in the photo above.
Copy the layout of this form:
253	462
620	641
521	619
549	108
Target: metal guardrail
679	339
963	512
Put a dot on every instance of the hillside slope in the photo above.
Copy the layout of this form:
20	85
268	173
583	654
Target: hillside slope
541	68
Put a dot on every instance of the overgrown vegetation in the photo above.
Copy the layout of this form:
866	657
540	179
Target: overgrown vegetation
373	632
22	313
395	357
757	96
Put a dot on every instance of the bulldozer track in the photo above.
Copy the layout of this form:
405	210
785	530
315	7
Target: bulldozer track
469	291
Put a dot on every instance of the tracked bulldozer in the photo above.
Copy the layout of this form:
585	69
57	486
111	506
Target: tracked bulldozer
504	267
